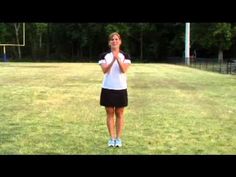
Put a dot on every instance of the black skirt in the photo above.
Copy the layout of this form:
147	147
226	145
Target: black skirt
114	98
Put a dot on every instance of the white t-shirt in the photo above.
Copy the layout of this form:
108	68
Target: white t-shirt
115	79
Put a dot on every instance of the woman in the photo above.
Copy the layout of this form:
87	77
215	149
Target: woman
114	97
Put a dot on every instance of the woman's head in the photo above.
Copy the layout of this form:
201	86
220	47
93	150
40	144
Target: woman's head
114	40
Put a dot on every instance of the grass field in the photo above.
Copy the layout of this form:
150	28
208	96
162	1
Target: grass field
53	108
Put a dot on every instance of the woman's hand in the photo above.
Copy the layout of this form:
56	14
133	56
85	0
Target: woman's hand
115	55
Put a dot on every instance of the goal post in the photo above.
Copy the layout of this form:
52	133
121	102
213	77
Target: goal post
4	45
187	43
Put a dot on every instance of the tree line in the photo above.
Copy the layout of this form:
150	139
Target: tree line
145	42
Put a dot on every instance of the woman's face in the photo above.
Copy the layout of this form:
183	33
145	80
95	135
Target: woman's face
115	42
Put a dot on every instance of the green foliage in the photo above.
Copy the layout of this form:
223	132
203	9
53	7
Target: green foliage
121	28
41	27
153	41
3	33
223	35
7	33
217	36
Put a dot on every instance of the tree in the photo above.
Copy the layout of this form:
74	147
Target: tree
17	27
138	33
223	34
145	41
214	35
77	34
4	33
41	28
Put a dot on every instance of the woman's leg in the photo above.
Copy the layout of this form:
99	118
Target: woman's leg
119	121
111	121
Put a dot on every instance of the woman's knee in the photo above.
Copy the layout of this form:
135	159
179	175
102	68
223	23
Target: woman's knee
110	111
119	112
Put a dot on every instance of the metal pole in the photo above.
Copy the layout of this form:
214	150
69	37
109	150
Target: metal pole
4	54
187	43
23	34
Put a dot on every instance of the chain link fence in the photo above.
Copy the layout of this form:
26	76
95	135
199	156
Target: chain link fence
227	66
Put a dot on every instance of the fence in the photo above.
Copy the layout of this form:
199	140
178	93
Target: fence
227	66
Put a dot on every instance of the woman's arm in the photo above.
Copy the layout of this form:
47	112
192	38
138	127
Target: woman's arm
123	66
106	67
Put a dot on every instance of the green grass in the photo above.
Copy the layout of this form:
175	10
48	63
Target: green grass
49	108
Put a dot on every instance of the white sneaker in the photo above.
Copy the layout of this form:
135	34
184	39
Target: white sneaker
118	142
111	143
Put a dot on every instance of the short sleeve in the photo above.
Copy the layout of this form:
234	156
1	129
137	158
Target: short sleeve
127	58
102	59
101	62
128	61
